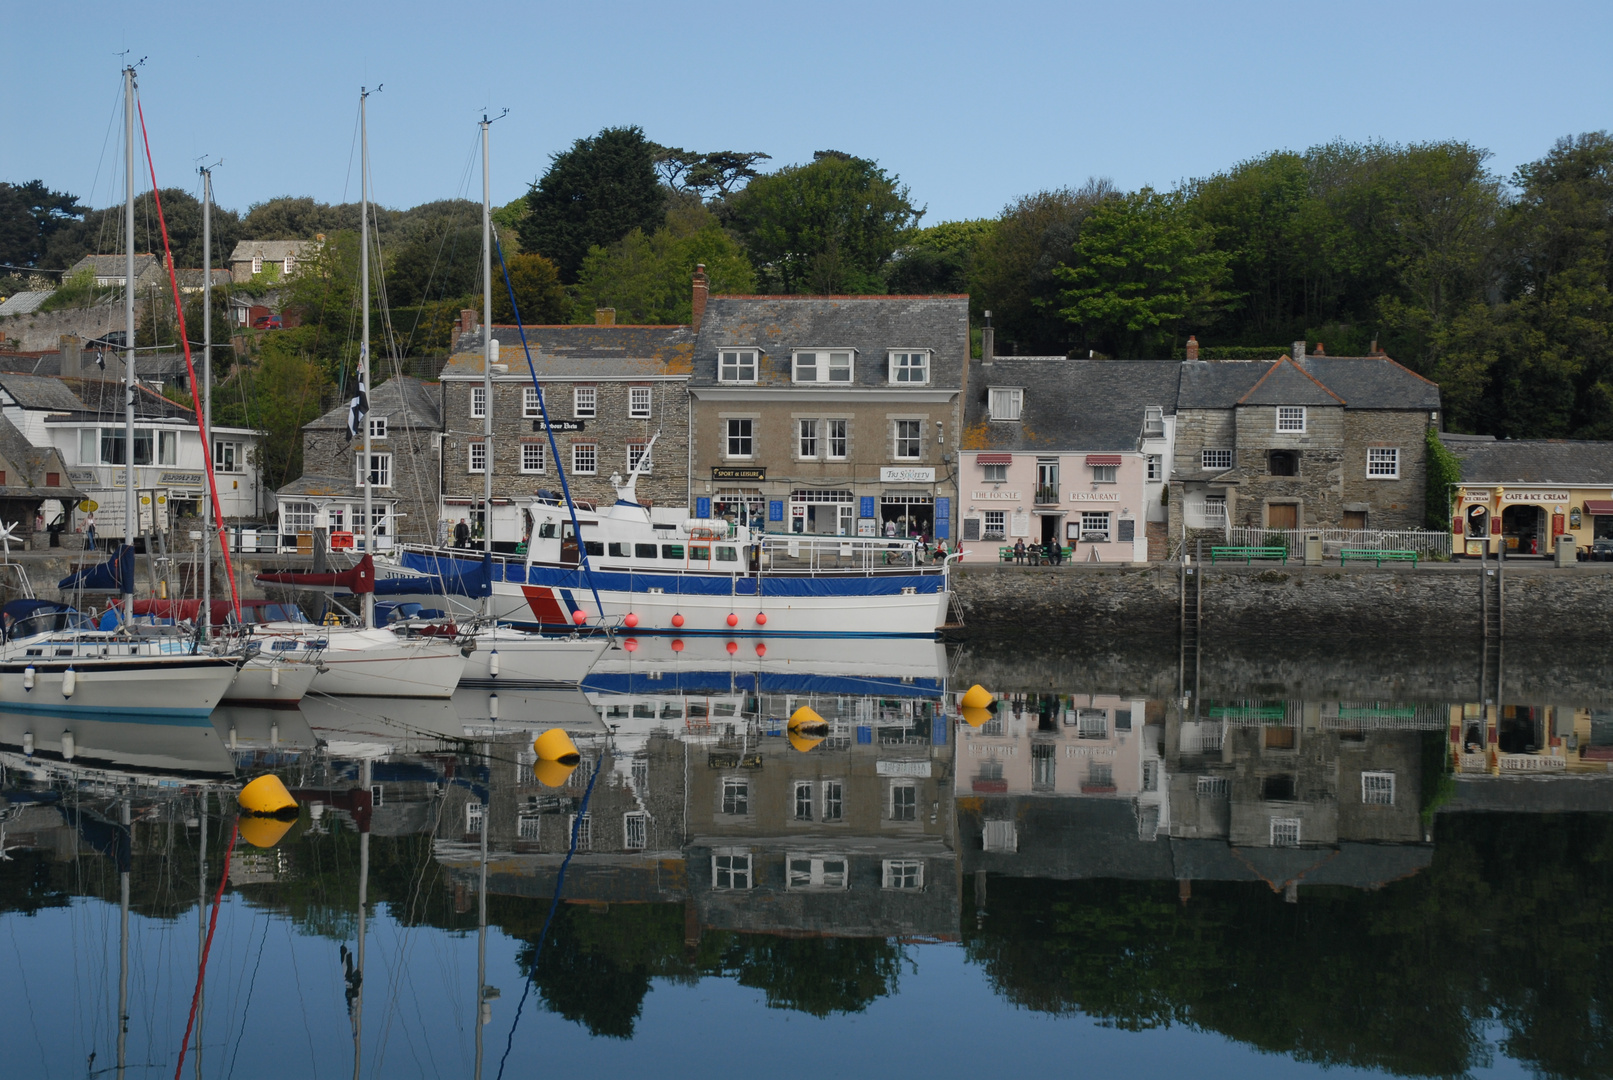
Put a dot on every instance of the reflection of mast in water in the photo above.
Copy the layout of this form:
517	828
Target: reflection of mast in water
484	1008
201	926
353	963
125	857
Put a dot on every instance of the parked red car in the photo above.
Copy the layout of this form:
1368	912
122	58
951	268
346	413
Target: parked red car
266	322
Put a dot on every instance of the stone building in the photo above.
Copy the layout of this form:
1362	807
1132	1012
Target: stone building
276	258
833	415
1307	441
405	425
608	390
111	270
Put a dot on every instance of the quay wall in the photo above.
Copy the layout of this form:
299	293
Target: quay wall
1401	606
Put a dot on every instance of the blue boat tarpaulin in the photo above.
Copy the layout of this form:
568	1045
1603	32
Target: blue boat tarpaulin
461	577
114	575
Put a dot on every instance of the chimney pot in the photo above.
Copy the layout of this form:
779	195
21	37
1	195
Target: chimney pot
1372	350
467	320
1192	347
1299	350
988	342
1320	351
605	316
701	290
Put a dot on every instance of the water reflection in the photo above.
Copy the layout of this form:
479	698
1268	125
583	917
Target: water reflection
1382	884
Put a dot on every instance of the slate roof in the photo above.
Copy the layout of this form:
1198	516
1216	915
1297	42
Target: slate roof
1363	382
192	278
869	324
40	392
35	462
1487	460
270	250
1069	404
103	398
1285	384
581	351
330	486
1218	384
1373	382
113	265
404	401
22	303
44	362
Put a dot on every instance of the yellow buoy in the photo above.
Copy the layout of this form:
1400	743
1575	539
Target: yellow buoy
808	722
556	745
976	697
266	795
264	831
553	773
801	741
975	717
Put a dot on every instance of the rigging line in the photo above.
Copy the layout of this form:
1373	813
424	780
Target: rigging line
28	995
436	261
100	161
201	421
296	977
554	905
201	969
554	449
251	985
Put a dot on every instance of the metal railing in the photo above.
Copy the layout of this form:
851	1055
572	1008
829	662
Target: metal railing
1422	541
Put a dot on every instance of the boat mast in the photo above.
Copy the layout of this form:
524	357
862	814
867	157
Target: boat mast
126	856
483	1008
488	346
364	342
131	519
204	617
201	918
356	988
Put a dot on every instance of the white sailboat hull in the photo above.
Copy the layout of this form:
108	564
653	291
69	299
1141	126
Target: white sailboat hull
158	686
526	658
271	682
379	663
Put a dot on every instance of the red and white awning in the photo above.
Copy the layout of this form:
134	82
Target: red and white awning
1599	507
1103	459
994	459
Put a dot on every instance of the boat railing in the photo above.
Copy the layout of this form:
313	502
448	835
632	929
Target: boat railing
798	552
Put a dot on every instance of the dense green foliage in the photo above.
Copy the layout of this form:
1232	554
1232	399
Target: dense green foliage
647	278
30	214
592	195
1444	471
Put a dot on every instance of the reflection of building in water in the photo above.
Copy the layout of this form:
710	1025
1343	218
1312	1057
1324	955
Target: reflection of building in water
1530	740
1283	792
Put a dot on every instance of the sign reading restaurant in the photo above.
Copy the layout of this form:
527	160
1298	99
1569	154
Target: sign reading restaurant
1093	496
719	472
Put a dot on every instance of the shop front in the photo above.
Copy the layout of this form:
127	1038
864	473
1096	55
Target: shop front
1527	521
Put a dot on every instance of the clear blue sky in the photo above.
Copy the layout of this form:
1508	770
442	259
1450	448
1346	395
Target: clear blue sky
970	104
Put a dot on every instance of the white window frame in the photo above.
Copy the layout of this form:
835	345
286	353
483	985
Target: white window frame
1007	403
995	525
907	786
1106	474
577	466
542	451
478	402
824	366
735	796
638	449
1156	467
640	402
476	456
999	835
816	876
1091	723
732	437
291	263
1091	520
528	827
228	455
915	442
1291	419
635	830
1285	832
297	517
584	826
994	474
737	365
1213	787
1380	456
379	463
257	264
1378	788
584	402
902	875
530	407
837	430
802	799
832	806
377	427
1215	459
731	870
900	362
806	439
475	818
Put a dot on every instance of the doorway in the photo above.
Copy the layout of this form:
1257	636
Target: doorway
1282	516
1050	528
1524	527
1355	519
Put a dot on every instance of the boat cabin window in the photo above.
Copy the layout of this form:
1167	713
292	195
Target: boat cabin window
618	551
548	531
700	553
595	547
672	551
727	554
644	551
46	622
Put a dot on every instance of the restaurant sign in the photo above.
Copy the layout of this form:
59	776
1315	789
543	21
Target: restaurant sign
1093	496
562	426
996	496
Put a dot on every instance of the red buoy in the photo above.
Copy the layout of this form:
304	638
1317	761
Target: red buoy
579	617
761	618
733	647
631	620
761	650
733	620
677	620
631	644
677	644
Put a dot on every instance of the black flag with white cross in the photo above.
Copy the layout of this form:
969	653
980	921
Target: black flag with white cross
360	405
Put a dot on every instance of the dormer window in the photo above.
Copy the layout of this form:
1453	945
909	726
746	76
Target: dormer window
736	366
1007	402
1154	422
911	368
822	367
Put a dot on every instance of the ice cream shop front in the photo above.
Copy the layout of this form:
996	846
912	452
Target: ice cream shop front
1521	495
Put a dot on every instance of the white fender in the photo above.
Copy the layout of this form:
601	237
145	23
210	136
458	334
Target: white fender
67	746
274	676
492	663
28	743
69	682
492	706
28	678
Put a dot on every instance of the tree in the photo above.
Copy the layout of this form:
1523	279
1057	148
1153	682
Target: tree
536	283
299	218
1012	269
593	194
938	259
30	214
828	227
648	279
278	395
710	176
1144	271
101	231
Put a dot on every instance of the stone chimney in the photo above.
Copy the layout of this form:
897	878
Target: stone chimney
988	342
1192	347
467	320
1299	350
701	289
72	359
605	316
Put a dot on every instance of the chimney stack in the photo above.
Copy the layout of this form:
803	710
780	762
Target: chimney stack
1320	351
1299	350
1372	350
68	348
988	342
467	320
605	316
701	288
1192	347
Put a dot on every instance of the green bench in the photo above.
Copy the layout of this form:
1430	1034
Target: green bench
1249	554
1005	554
1378	556
1032	551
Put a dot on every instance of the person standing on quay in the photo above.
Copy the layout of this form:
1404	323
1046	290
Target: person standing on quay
89	532
462	534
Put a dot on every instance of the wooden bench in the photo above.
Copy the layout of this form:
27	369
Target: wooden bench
1378	556
1249	554
1005	554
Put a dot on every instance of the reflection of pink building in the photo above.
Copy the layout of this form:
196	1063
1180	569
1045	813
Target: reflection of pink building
1061	744
1068	450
